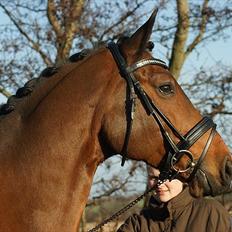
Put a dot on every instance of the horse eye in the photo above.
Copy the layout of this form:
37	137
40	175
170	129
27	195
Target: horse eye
166	89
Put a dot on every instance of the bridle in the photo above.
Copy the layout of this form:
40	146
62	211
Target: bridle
167	167
176	151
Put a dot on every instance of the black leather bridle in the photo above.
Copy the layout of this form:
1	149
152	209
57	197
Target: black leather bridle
168	169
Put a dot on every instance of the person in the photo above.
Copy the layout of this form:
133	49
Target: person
173	209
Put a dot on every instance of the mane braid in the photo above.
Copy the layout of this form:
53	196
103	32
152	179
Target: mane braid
29	86
79	56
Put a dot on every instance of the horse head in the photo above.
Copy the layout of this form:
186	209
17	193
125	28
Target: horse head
177	138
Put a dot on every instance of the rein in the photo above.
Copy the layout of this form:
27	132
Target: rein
123	210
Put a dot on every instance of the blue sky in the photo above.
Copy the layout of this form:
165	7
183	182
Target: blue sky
207	55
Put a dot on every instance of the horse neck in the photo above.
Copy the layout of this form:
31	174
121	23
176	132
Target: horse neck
59	143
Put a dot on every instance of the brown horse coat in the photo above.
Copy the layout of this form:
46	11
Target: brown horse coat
56	136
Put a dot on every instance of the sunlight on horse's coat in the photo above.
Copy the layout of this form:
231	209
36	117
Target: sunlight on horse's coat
59	127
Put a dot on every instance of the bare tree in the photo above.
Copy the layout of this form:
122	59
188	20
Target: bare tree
190	24
45	33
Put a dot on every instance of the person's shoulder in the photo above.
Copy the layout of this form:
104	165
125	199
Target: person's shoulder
216	213
209	204
206	201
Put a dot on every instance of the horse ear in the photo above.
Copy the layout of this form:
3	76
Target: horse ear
134	46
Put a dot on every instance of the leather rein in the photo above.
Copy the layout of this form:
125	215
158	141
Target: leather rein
168	170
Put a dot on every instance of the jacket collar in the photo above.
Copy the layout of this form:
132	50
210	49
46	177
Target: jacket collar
176	205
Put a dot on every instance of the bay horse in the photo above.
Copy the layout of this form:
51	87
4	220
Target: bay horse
56	131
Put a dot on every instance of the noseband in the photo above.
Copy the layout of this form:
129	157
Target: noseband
175	152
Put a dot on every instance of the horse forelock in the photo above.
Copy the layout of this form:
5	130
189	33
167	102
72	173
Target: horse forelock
30	86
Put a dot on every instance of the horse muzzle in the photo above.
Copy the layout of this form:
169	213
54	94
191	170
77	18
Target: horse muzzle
217	185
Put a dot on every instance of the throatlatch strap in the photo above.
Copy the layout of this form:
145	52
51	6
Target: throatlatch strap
130	97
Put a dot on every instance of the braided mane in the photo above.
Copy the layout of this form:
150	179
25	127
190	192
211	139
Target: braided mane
18	101
24	92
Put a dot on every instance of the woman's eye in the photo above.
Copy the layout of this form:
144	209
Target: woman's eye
166	89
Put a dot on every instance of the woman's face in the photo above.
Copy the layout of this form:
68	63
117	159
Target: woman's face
168	189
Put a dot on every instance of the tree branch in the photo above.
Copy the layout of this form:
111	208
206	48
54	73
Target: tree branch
178	49
51	14
32	43
72	25
204	20
4	92
123	18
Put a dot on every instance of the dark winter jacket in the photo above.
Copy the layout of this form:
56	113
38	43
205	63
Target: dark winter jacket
181	214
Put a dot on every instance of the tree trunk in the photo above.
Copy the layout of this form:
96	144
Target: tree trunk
178	50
